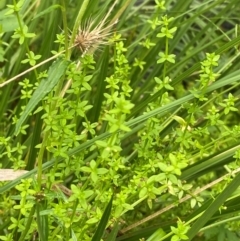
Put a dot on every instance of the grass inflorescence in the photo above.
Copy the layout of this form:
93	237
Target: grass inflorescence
89	38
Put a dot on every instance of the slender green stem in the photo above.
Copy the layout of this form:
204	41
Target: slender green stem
65	28
165	63
74	210
40	161
225	221
26	45
28	225
78	20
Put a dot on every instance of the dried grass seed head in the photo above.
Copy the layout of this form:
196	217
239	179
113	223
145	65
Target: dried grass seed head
89	38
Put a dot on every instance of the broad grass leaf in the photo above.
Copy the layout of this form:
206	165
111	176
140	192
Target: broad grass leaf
55	72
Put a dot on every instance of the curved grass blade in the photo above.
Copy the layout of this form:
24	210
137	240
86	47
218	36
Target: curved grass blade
216	204
48	10
28	224
159	233
55	72
112	236
41	223
208	164
95	112
103	222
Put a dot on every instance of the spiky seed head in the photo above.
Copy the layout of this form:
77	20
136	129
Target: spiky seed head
89	39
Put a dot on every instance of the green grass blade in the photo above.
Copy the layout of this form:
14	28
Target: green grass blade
103	222
42	228
98	97
28	224
211	163
157	235
55	72
48	10
216	204
35	139
112	236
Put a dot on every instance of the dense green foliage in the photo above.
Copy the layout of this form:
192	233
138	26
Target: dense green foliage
119	120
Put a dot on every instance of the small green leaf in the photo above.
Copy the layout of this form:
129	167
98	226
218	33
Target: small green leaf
92	221
143	192
102	171
86	169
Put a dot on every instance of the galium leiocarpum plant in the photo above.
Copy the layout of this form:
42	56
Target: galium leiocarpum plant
149	162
